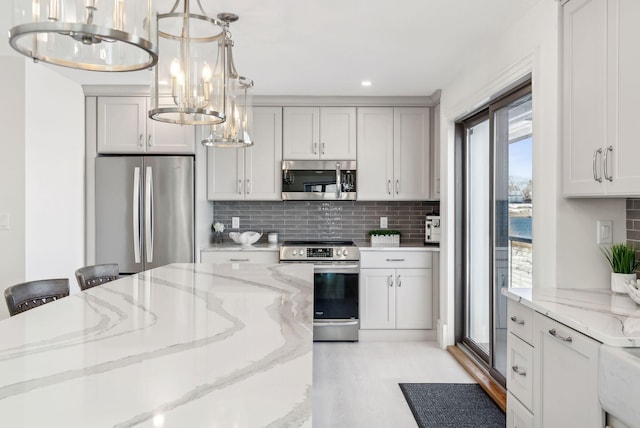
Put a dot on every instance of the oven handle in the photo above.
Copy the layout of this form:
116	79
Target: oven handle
334	323
337	268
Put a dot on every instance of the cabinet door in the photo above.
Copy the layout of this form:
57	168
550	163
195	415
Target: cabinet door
565	377
517	415
414	292
225	174
301	133
263	160
261	257
122	124
375	153
435	155
624	95
165	137
411	153
377	299
338	133
584	90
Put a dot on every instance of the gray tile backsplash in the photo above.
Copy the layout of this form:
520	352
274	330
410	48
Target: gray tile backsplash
325	219
633	225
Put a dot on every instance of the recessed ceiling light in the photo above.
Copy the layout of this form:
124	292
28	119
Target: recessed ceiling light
366	83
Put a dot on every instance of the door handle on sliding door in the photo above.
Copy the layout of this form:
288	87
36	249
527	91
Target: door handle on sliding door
136	214
148	214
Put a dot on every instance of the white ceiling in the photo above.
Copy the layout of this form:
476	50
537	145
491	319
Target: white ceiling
327	47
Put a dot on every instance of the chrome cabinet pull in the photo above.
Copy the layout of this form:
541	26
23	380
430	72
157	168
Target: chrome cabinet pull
389	186
149	140
395	260
315	148
390	280
397	187
606	164
248	186
517	370
239	260
595	167
140	140
239	187
324	146
399	280
555	334
516	320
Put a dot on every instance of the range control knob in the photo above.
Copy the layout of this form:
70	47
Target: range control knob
294	252
345	253
338	252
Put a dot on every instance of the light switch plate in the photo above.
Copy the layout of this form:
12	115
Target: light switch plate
4	221
604	232
235	222
383	223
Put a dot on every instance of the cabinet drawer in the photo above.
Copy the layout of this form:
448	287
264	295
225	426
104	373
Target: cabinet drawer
520	370
520	321
260	257
517	415
395	259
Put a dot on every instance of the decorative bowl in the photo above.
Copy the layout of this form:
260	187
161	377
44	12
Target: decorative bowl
633	288
245	238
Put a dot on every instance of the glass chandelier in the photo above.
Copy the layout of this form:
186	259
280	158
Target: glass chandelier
234	132
188	81
95	35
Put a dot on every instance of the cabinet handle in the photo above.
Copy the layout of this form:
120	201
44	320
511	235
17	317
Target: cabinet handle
395	260
397	187
399	281
315	148
141	140
517	370
324	146
149	140
516	320
606	163
390	280
240	187
555	334
248	186
389	186
595	167
239	260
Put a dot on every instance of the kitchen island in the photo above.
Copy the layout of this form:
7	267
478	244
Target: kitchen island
183	345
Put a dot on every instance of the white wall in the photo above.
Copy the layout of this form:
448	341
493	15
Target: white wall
12	180
54	175
565	253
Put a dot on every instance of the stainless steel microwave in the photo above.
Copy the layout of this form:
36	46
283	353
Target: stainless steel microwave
307	180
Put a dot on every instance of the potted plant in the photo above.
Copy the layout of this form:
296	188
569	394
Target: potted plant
622	258
384	238
217	228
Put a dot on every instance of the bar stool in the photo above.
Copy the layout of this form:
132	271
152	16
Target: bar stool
28	295
91	276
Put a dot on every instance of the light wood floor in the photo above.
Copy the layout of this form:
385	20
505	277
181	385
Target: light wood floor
356	384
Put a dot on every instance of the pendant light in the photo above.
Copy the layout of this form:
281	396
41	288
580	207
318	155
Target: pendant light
95	35
234	132
188	81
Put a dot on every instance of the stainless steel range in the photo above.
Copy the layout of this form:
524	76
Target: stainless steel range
336	276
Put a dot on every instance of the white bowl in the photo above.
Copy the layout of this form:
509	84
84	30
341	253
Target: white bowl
633	288
245	238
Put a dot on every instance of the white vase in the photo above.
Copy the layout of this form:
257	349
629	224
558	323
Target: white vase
618	280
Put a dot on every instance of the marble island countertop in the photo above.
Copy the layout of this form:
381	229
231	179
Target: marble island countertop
613	319
183	345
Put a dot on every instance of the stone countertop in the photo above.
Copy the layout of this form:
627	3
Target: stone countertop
613	319
363	245
407	245
183	345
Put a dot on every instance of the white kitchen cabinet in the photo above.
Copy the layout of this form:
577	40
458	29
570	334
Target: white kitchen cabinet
251	173
238	256
394	153
601	63
565	377
435	155
396	290
124	127
519	376
319	133
518	416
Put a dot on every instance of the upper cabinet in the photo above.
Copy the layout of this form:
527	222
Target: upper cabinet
251	173
394	153
124	127
601	64
319	133
435	154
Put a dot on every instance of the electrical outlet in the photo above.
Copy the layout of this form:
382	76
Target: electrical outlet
383	223
235	222
604	232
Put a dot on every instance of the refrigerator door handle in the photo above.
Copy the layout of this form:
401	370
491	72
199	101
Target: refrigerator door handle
136	214
148	213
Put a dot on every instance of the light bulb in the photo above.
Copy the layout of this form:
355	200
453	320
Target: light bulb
175	67
206	73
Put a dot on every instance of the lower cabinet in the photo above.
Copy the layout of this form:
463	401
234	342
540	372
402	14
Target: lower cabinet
565	377
259	257
518	416
394	297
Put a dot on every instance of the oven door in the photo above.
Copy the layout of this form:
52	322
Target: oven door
335	291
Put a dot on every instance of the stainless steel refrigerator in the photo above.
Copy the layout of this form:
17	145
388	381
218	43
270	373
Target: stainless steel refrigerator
144	211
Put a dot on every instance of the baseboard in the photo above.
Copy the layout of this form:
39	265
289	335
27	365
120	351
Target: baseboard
397	335
490	386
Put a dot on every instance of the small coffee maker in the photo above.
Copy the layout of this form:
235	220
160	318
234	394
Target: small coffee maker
432	230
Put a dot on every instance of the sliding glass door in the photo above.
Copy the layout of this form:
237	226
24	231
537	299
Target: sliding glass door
495	222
